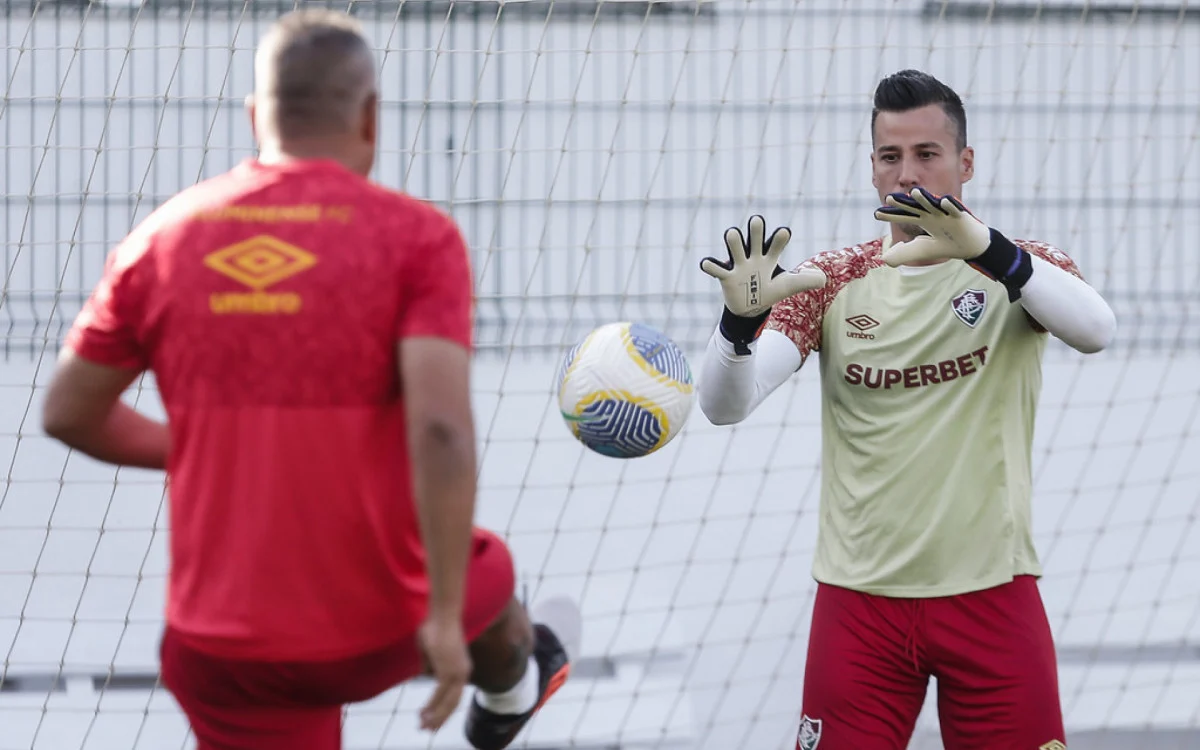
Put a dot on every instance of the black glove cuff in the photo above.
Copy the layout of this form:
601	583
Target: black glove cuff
742	331
1006	263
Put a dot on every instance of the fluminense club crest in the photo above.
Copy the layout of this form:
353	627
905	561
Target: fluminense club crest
969	306
810	734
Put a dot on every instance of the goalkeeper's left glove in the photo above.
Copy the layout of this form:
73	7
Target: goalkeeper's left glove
954	232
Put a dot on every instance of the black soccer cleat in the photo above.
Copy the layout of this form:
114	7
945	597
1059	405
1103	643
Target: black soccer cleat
487	730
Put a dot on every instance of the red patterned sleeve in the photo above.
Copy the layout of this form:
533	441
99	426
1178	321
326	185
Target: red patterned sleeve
1050	254
800	317
1054	257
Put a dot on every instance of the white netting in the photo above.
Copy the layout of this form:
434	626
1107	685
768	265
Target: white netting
592	153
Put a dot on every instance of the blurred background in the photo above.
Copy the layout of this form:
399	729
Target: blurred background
592	153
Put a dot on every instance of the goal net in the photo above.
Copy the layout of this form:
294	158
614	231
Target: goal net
593	151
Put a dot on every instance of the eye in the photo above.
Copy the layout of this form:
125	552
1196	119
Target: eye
928	155
889	158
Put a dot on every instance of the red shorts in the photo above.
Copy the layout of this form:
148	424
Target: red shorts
255	705
870	659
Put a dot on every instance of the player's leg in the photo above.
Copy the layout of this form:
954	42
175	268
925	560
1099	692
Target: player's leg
500	655
993	654
230	705
865	679
238	705
519	662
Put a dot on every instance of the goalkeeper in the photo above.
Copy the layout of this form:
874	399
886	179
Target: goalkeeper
930	343
310	334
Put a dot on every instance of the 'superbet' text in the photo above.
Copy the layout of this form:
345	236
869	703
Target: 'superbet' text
917	376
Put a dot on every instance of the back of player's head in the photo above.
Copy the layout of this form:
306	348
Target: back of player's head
913	89
315	71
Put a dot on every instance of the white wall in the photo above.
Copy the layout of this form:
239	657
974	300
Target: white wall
599	161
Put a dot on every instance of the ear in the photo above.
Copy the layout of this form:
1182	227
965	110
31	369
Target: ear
874	178
250	110
966	165
370	118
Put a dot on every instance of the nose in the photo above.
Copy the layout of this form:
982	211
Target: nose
909	178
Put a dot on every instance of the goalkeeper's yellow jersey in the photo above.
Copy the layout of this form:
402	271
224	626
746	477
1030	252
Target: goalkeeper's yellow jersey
930	380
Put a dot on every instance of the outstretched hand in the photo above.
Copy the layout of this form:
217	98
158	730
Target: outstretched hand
953	231
752	280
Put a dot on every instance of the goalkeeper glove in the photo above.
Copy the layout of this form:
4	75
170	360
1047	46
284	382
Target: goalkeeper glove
954	232
752	280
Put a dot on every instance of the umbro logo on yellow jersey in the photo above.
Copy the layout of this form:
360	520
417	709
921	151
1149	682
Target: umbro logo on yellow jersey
862	324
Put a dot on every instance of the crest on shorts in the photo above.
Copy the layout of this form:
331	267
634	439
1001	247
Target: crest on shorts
810	734
1053	745
969	306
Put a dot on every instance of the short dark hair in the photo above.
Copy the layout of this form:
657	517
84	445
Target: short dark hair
317	67
913	89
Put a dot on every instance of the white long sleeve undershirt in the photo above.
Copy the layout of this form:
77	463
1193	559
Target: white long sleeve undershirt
731	386
1068	307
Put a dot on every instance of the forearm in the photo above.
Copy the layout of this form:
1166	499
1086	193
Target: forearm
443	466
1068	307
124	437
732	385
1058	301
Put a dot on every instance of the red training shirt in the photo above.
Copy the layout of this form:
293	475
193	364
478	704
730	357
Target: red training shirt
268	303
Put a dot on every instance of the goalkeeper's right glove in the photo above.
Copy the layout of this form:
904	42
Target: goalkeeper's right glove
753	281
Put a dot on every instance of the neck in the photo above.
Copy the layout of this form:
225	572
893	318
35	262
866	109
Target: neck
283	151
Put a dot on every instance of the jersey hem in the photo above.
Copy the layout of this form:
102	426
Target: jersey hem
225	649
929	592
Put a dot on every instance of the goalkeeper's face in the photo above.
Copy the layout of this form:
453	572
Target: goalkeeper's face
919	148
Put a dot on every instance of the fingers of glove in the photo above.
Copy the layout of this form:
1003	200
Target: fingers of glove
757	230
897	215
904	200
927	201
736	244
956	204
954	207
947	206
916	250
802	280
719	270
777	242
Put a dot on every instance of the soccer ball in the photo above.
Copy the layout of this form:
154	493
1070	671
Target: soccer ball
625	390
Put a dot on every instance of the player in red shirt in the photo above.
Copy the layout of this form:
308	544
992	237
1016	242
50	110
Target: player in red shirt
310	335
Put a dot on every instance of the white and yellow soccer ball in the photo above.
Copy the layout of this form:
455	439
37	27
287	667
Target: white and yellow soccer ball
625	390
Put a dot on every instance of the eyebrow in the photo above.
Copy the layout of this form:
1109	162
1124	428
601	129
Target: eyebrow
927	145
